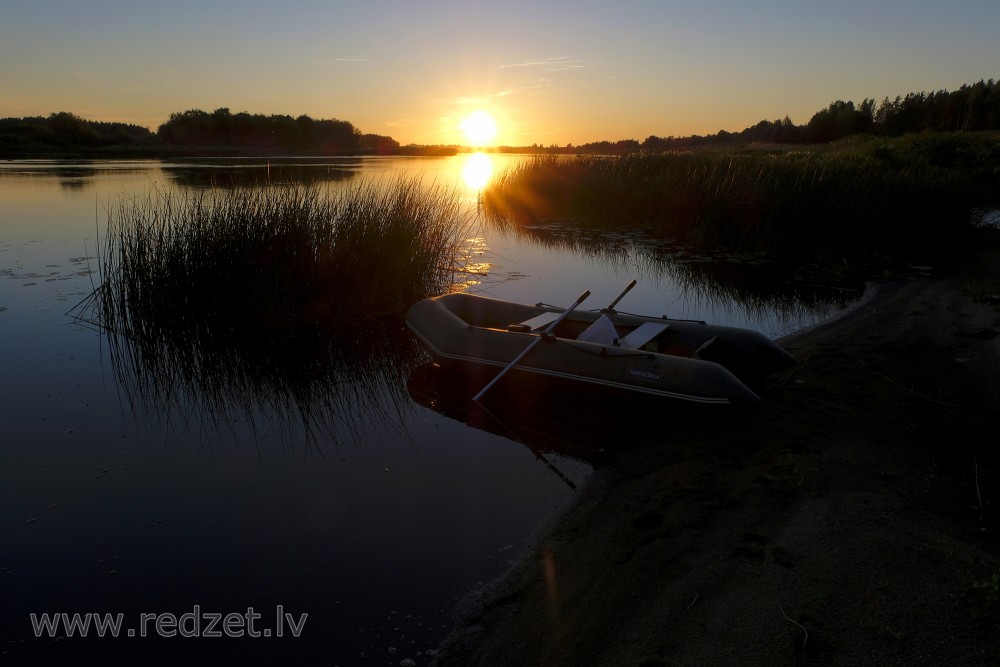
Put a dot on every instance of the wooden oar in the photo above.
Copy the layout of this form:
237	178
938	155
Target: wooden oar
611	309
531	345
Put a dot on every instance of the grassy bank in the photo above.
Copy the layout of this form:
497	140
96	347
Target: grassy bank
912	197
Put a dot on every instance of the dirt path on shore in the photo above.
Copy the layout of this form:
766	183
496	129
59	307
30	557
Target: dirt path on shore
852	519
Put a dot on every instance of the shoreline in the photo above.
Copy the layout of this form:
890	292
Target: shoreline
848	520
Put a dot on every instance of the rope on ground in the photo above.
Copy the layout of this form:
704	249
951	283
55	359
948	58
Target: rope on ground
801	627
785	378
978	494
917	393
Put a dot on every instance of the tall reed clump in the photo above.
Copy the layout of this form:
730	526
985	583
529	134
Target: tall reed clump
806	205
272	297
275	259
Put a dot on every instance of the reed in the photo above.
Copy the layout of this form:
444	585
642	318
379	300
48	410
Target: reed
282	298
844	204
275	259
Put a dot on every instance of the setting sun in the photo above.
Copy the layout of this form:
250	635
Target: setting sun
479	129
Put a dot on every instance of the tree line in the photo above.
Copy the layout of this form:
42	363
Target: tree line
64	131
970	108
194	129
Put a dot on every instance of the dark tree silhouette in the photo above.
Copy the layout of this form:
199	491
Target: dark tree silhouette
64	131
378	143
221	128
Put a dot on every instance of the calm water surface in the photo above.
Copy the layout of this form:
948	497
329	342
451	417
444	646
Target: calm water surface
373	524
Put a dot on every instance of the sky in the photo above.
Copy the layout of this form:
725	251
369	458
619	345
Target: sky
547	72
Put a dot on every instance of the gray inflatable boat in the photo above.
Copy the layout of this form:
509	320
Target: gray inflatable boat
606	350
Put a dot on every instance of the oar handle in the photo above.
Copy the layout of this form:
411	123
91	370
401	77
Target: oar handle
583	297
611	308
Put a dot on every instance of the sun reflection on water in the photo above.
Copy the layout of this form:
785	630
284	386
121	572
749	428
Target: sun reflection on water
474	265
477	171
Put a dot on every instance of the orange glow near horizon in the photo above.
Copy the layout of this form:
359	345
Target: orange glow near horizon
479	129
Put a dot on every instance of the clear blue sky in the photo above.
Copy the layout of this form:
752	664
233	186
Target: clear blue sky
549	72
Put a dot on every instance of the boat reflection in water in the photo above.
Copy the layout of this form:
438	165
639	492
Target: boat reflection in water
579	425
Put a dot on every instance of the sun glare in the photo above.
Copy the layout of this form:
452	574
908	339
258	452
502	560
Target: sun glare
477	171
479	129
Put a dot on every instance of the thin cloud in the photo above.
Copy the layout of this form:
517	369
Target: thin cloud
465	101
538	78
555	64
402	122
538	83
351	60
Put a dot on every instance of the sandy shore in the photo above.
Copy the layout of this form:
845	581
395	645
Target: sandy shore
852	519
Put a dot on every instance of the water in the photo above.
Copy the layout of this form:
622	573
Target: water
120	499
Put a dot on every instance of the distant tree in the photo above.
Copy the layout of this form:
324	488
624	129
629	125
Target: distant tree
838	120
307	130
787	132
982	104
191	127
123	134
654	144
72	129
336	135
377	142
222	122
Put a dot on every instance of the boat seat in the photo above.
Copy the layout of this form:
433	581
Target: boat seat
538	322
602	332
644	333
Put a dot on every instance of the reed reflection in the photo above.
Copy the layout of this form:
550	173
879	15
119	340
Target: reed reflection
229	172
751	287
326	386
